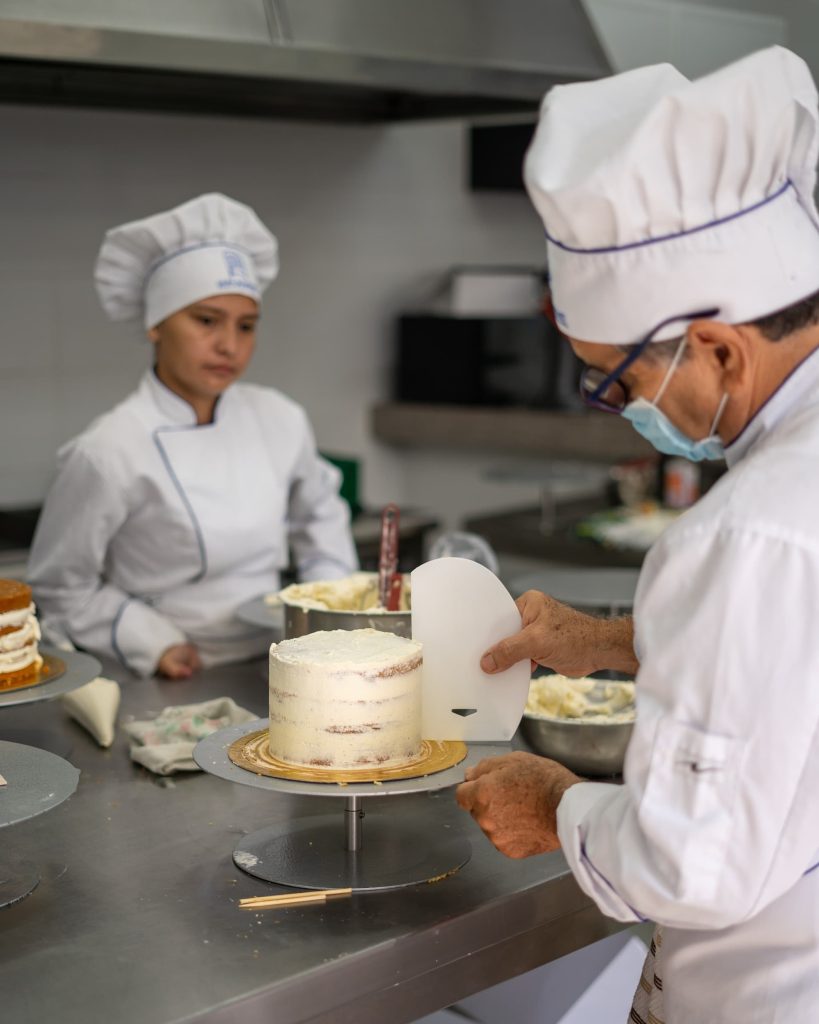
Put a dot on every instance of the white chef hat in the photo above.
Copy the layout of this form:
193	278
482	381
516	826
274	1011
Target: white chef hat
663	197
211	245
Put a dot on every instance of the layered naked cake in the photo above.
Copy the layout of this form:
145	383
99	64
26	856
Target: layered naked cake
20	660
345	699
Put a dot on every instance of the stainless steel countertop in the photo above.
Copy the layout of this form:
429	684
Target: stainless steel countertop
136	919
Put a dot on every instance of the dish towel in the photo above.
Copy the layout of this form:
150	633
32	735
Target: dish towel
165	744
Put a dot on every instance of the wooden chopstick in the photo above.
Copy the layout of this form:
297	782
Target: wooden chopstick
291	899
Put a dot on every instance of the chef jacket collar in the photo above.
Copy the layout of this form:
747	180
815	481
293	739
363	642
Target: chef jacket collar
174	409
800	381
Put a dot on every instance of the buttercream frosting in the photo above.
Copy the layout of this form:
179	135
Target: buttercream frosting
345	699
18	648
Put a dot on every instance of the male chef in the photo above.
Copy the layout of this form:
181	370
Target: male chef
683	247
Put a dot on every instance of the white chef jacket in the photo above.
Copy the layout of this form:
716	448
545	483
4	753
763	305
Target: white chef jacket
715	833
156	529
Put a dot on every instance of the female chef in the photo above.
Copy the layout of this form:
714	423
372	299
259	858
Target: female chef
683	245
183	501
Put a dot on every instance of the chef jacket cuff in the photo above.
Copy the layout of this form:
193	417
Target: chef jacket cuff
140	635
575	820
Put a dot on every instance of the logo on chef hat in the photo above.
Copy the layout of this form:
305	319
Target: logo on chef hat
238	275
235	266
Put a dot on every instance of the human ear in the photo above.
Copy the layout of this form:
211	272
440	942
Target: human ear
724	348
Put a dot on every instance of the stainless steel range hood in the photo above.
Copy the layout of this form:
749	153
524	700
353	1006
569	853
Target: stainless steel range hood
355	60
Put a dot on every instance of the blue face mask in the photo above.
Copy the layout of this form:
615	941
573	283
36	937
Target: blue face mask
650	421
657	428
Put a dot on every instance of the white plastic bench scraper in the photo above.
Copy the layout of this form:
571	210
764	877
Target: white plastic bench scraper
459	609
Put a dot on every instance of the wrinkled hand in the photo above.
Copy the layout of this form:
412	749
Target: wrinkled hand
564	639
514	799
179	662
553	635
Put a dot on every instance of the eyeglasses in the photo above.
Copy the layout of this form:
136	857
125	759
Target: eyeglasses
605	391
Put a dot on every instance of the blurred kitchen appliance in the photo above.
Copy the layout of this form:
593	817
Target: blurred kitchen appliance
496	154
491	292
484	361
681	483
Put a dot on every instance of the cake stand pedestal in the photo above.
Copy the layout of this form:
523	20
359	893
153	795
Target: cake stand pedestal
36	782
80	669
336	851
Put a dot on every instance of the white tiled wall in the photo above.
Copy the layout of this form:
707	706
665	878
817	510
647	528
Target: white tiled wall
367	217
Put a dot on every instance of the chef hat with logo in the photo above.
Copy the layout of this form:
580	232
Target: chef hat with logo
150	268
663	197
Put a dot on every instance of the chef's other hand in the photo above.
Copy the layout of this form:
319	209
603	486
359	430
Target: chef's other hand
179	662
514	799
553	635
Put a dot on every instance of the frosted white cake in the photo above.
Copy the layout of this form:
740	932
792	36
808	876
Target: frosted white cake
345	698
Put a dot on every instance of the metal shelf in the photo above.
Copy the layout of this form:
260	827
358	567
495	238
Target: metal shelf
544	432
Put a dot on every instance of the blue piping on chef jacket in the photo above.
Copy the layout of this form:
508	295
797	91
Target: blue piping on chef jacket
200	540
675	234
599	874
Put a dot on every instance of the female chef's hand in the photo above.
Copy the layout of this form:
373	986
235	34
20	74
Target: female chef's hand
514	799
565	640
179	661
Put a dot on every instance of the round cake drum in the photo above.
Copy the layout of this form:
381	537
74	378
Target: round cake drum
251	752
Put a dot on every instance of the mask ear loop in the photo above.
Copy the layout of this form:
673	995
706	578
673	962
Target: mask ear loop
675	362
720	410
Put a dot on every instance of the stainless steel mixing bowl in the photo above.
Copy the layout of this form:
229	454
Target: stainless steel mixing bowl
588	748
299	620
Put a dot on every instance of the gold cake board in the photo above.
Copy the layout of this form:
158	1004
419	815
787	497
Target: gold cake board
251	753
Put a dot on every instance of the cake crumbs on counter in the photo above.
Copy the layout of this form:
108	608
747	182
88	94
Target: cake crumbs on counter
440	878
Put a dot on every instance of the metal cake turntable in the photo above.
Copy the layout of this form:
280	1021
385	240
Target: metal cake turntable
335	851
62	672
37	777
35	782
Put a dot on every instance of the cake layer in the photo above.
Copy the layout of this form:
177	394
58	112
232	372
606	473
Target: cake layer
14	595
345	699
29	674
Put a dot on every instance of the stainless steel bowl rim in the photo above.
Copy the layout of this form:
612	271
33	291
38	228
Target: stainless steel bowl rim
342	611
585	722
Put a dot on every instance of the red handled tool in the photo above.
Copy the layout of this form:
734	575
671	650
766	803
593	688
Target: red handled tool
389	579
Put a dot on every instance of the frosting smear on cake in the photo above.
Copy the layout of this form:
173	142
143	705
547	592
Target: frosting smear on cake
345	699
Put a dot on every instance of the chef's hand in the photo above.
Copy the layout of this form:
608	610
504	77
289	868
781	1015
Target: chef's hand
561	638
179	661
514	799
